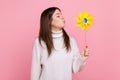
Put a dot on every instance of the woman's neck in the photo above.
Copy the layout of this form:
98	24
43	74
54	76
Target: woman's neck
56	34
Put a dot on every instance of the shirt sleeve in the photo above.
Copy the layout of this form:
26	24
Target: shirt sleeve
78	61
35	66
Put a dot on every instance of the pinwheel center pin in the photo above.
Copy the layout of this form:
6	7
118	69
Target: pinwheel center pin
85	20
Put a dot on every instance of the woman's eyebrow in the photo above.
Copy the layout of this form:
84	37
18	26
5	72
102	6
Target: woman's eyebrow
58	13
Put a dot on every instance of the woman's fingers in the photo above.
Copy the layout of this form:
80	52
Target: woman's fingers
86	52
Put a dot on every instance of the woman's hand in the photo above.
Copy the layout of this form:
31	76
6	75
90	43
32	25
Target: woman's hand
85	53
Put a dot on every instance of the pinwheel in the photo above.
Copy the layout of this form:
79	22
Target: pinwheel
84	21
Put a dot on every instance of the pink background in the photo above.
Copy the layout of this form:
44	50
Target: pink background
19	25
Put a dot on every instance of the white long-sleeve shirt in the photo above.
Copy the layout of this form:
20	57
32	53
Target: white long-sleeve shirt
60	64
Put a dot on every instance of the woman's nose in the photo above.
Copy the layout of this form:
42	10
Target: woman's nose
62	17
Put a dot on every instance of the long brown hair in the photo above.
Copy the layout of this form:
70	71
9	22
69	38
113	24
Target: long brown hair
45	32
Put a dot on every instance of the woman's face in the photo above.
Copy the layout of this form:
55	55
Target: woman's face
58	21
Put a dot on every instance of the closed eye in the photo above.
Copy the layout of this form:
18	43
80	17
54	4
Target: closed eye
58	16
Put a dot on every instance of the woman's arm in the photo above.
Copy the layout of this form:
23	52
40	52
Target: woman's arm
35	66
78	61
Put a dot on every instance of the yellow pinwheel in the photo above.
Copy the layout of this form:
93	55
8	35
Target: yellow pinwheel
84	20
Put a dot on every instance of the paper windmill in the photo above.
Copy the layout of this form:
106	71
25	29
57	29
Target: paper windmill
84	20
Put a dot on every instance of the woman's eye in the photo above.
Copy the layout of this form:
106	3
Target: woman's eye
58	16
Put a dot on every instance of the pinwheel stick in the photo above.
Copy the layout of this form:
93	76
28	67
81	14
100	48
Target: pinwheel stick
86	46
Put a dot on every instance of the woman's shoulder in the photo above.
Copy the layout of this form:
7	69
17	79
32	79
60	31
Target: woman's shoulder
73	41
37	42
72	38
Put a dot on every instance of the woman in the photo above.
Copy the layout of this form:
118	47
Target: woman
55	54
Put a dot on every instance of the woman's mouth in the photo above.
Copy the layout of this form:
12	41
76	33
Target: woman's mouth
63	21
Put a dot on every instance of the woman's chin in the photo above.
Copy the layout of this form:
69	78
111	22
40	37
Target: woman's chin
63	25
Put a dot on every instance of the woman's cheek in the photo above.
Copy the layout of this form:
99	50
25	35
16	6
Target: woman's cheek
61	24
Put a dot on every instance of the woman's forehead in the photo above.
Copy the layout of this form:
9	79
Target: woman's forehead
57	12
